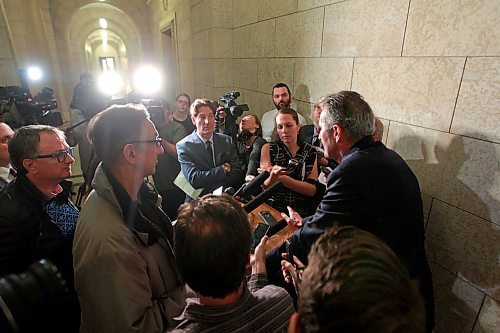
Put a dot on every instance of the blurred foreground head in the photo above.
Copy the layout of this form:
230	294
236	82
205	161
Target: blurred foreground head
355	283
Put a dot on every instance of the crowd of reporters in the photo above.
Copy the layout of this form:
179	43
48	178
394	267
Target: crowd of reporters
142	257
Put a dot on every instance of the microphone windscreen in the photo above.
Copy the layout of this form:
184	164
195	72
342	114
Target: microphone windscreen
229	190
255	184
262	198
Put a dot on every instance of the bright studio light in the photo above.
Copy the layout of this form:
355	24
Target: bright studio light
147	80
103	23
34	73
110	83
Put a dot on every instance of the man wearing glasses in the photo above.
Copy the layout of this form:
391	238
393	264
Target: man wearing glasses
42	159
126	275
181	112
28	233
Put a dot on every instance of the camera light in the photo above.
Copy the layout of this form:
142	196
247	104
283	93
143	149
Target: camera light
103	23
34	73
147	80
110	83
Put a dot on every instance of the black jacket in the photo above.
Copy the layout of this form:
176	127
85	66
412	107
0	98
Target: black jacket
372	189
27	233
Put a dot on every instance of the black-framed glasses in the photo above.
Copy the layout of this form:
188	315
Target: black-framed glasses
60	156
156	141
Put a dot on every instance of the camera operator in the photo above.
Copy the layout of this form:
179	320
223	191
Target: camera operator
250	142
293	163
227	113
87	101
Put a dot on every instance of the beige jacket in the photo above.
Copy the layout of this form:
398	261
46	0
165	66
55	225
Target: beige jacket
123	284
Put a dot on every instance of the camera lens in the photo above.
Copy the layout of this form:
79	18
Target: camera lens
30	299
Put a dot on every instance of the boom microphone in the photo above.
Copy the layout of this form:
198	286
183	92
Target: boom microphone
261	198
253	185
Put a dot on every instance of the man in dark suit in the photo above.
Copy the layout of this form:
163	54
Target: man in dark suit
372	188
208	160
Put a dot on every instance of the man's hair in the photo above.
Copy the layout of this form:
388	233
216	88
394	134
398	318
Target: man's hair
355	283
199	103
349	110
212	244
114	127
185	95
25	143
281	85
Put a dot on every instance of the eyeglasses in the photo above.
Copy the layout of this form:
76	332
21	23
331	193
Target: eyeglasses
61	156
156	141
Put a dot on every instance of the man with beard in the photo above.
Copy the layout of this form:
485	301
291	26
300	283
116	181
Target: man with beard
282	97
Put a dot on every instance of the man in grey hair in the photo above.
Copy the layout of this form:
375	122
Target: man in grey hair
372	188
37	218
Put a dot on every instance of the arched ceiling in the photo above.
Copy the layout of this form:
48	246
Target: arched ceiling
76	20
86	20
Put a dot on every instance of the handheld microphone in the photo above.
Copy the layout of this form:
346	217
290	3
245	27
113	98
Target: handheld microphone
253	185
261	198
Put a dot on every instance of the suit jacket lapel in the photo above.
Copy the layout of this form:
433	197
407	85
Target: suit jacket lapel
205	155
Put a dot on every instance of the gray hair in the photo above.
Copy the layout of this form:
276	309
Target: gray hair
349	110
25	144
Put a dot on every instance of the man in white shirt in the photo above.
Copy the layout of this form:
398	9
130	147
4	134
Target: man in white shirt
282	97
6	174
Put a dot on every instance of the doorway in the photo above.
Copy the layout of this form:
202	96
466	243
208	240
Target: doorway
170	65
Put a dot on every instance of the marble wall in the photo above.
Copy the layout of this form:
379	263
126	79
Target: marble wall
429	69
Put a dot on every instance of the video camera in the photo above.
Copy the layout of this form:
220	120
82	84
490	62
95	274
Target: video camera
230	107
232	111
33	300
18	108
